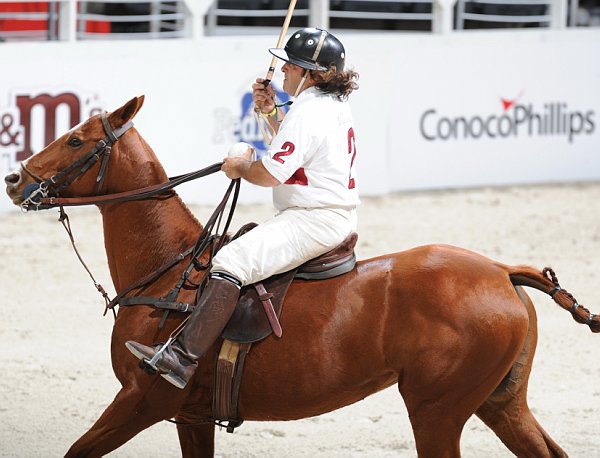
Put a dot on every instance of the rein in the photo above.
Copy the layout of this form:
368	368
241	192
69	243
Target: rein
37	197
209	238
136	194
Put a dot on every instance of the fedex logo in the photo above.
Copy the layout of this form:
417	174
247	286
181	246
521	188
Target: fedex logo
246	129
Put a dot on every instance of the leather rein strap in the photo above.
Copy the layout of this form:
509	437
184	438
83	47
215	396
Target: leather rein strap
136	194
38	199
209	238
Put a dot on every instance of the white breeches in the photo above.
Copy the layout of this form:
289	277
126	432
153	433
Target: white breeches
283	242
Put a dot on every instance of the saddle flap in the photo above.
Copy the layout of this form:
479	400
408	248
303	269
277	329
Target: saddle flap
249	322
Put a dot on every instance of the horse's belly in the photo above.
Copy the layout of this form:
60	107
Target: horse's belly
295	395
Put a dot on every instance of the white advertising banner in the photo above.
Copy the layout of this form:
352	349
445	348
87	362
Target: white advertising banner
465	109
487	112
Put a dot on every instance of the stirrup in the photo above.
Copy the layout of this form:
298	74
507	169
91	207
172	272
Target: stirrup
174	379
149	365
155	358
143	365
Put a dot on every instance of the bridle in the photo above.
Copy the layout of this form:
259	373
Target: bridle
37	197
36	194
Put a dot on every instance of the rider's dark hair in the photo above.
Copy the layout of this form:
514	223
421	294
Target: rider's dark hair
340	84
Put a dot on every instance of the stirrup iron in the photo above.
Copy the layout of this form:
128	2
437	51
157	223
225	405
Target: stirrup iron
150	364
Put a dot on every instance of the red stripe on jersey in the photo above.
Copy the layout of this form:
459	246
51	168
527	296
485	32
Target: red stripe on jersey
299	178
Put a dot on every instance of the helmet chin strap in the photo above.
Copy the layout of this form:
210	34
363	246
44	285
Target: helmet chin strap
301	83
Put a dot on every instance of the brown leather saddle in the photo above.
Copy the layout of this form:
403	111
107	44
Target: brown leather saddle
249	322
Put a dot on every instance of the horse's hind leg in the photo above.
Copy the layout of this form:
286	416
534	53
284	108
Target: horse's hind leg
440	402
506	411
459	364
436	436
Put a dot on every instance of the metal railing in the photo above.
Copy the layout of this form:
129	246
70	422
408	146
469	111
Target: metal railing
504	12
37	21
87	20
383	14
155	19
72	20
228	17
245	16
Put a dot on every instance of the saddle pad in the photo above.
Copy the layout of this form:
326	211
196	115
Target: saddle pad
249	322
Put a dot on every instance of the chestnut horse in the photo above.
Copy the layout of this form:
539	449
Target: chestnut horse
453	329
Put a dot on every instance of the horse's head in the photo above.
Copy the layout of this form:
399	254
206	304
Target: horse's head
74	164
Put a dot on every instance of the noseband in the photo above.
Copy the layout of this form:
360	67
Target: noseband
34	192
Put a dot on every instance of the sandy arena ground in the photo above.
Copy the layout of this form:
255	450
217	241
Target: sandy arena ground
57	376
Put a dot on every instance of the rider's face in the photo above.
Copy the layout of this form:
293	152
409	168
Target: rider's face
292	77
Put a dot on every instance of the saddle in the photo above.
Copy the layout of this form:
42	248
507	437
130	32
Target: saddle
252	322
249	322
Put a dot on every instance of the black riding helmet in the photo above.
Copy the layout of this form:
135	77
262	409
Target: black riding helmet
312	49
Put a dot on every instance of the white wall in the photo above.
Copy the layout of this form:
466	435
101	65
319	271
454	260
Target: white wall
194	92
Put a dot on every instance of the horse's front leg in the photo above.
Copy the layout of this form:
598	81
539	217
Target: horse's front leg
134	409
197	441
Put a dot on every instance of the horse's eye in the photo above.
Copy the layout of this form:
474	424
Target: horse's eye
75	142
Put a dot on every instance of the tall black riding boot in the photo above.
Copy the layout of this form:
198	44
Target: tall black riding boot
177	361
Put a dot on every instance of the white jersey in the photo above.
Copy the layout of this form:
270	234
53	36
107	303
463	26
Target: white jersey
313	154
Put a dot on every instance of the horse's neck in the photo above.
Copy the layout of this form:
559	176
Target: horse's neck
141	236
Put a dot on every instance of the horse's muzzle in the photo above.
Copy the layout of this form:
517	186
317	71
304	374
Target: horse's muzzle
13	178
13	182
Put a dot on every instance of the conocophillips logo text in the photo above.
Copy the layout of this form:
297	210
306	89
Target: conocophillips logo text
552	118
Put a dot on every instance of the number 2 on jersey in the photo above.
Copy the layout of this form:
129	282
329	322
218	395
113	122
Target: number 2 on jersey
351	150
286	149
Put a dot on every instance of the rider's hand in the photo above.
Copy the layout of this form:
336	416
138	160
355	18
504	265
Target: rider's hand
233	166
264	98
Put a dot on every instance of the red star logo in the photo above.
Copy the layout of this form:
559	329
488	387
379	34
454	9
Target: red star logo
508	103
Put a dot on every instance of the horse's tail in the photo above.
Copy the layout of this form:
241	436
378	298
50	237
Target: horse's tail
547	282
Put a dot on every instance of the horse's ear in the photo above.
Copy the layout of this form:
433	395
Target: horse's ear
126	113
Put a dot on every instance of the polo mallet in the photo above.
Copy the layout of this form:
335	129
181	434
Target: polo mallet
269	132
